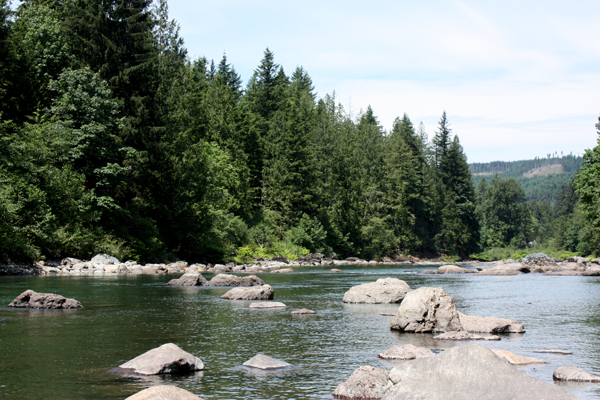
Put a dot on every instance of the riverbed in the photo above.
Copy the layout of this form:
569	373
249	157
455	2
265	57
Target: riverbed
56	354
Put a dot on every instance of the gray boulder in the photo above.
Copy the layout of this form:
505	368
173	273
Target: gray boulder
232	280
574	375
467	372
406	352
472	323
388	290
105	259
538	259
264	292
426	310
364	383
163	392
31	299
261	361
189	279
166	359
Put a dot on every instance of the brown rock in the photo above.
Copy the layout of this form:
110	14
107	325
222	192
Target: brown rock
303	311
453	269
188	279
501	269
406	352
515	359
267	304
163	392
472	323
264	292
31	299
283	271
232	280
364	383
335	271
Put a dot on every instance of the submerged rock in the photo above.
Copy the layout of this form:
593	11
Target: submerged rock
31	299
467	372
232	280
553	351
406	352
189	279
515	359
473	323
463	335
335	271
388	290
574	374
364	383
427	310
264	292
303	311
166	359
267	304
261	361
163	392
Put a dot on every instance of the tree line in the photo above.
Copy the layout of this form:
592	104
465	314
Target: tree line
115	141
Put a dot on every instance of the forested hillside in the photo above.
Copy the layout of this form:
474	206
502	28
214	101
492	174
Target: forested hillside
113	140
541	178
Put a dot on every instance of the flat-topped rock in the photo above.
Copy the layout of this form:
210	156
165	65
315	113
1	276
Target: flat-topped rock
163	392
473	323
516	359
406	352
364	383
335	271
454	269
554	351
573	374
193	278
267	304
282	271
303	311
388	290
261	361
31	299
232	280
426	310
501	269
264	292
463	335
166	359
464	373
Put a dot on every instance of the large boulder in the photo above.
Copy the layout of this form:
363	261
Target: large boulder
31	299
426	310
574	374
501	269
388	290
538	260
163	392
232	280
364	383
261	361
467	372
166	359
192	278
406	352
472	323
264	292
105	259
454	269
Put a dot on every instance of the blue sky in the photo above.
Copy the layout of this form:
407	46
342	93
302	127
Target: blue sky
518	79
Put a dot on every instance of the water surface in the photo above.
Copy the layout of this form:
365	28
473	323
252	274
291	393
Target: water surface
56	354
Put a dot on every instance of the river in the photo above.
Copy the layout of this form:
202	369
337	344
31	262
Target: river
57	354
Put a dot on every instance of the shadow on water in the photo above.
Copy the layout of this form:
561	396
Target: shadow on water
69	352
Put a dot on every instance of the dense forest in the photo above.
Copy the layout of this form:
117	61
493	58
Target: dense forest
114	140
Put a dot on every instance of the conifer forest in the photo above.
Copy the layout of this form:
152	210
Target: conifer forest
114	141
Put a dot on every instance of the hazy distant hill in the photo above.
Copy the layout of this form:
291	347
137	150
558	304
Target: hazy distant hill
540	178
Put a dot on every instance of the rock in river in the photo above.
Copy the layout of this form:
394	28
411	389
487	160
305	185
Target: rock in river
427	310
516	359
472	323
364	383
189	279
303	311
467	372
574	375
163	392
31	299
232	280
463	335
454	269
406	352
166	359
264	292
267	304
265	362
388	290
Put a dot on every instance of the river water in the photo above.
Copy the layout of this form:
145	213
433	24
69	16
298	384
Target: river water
58	354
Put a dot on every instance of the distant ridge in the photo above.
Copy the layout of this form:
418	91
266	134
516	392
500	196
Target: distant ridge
540	178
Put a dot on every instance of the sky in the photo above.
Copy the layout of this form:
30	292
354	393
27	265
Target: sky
517	79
